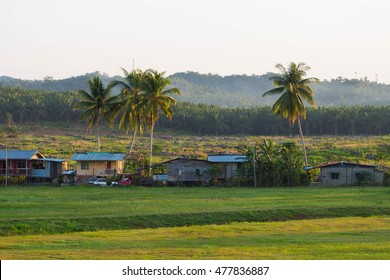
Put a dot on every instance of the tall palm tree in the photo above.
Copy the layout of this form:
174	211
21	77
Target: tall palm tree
294	88
132	117
156	99
97	103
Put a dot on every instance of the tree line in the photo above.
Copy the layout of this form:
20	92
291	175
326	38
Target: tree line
244	91
33	106
230	91
204	119
36	106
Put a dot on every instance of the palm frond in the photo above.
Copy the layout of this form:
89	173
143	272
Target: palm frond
310	80
85	95
273	91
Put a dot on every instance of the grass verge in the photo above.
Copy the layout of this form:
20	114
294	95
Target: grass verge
53	226
335	238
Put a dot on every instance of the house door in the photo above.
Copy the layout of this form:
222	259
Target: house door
108	165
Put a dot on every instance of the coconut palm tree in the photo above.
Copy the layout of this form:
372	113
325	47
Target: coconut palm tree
97	103
133	116
294	88
156	99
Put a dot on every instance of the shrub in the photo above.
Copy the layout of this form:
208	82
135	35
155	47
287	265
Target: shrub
386	179
364	178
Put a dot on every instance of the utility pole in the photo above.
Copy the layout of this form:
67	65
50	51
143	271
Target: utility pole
6	165
254	166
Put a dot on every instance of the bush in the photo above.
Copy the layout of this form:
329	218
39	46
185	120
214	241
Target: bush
364	178
386	179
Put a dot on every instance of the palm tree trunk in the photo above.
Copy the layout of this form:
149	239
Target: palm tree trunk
151	150
307	128
98	136
303	141
132	142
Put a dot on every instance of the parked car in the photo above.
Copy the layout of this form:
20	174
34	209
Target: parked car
104	182
92	180
124	182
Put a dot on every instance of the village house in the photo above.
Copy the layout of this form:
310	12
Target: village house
98	165
228	164
347	174
31	164
69	177
186	171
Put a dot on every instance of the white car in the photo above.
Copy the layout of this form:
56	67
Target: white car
103	182
92	180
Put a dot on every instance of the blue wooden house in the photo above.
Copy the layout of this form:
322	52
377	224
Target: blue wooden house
31	164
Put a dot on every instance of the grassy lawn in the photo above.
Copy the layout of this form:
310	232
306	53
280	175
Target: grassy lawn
338	238
90	201
88	222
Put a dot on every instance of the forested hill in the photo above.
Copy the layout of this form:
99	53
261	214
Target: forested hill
232	91
49	84
246	91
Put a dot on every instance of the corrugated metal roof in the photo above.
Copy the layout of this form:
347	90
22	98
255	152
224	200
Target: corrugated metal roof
18	154
52	159
227	158
344	164
98	157
184	159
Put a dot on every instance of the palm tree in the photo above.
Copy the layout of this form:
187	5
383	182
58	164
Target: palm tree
156	99
294	88
97	103
133	115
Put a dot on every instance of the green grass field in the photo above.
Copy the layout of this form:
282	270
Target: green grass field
87	222
339	238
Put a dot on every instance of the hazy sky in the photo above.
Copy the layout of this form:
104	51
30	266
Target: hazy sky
72	37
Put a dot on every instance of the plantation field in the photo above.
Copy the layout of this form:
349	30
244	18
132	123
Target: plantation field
62	141
87	222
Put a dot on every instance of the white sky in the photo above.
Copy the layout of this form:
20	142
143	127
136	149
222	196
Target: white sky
349	38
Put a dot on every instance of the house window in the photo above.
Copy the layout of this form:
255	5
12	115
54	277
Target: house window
21	165
37	165
178	172
198	172
334	175
84	165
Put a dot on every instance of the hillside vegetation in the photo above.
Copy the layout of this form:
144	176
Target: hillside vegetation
63	140
23	106
231	91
